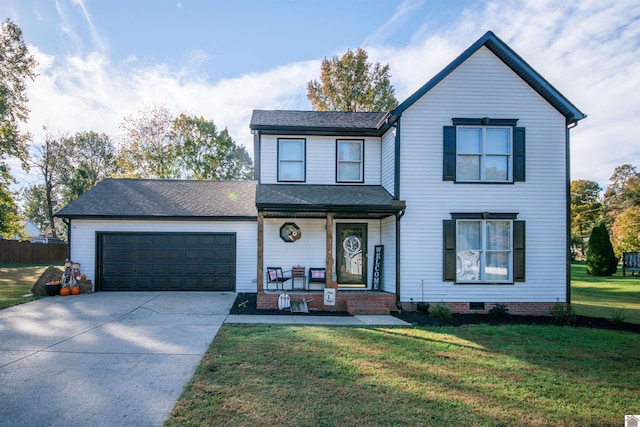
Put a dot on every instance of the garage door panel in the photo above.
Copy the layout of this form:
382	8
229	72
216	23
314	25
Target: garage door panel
167	261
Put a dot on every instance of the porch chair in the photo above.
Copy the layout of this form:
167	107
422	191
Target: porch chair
316	275
276	275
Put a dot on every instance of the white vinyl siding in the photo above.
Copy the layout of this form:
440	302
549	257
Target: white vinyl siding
388	239
83	242
387	161
483	86
320	159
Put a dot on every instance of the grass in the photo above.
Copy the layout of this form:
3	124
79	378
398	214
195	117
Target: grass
16	281
608	297
260	375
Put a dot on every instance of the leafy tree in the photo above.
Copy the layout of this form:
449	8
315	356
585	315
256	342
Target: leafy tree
16	66
601	260
626	231
205	153
34	205
148	150
586	210
48	161
623	191
89	157
350	83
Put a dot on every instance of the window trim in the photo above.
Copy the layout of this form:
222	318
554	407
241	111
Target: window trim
303	160
483	155
338	161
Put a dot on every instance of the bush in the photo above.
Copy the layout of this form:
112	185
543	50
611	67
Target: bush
601	260
441	311
563	315
499	310
618	317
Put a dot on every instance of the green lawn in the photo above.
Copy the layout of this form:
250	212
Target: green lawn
260	375
15	282
604	296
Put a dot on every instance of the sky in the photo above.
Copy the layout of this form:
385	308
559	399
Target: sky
103	60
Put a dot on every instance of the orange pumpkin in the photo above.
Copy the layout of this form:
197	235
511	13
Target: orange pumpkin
65	291
75	291
83	277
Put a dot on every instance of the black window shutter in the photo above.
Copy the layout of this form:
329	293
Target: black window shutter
519	251
449	251
518	154
449	153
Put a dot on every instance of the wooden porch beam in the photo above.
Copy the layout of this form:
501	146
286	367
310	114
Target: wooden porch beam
260	278
329	258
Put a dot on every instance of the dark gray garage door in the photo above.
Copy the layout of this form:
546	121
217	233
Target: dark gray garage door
166	261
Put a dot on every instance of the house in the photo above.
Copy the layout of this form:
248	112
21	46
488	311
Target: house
459	195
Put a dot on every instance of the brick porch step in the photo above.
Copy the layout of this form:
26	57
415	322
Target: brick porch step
367	307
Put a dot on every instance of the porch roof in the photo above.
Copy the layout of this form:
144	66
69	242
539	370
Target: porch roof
312	200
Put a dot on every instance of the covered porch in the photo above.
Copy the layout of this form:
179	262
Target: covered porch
348	231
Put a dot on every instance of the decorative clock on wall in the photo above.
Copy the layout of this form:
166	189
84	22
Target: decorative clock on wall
290	232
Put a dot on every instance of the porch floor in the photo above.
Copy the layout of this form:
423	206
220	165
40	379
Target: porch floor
353	302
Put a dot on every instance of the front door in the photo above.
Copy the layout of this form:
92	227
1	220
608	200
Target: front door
351	251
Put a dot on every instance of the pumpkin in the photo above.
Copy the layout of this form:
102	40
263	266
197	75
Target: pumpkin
83	277
75	290
65	291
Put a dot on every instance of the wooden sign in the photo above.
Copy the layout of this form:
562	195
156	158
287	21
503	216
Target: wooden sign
378	257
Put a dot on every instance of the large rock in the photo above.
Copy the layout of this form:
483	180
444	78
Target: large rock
51	274
85	286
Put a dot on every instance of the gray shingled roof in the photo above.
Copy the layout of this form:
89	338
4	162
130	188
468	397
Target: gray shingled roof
327	121
153	198
318	198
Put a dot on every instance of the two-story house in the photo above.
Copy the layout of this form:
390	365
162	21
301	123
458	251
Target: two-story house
459	195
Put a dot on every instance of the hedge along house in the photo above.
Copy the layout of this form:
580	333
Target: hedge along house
145	234
462	189
468	182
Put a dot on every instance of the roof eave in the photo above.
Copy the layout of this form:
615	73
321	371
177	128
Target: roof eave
158	217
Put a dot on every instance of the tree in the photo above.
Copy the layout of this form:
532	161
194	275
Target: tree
205	153
586	210
626	231
623	191
16	66
34	205
148	150
89	157
48	161
601	260
350	83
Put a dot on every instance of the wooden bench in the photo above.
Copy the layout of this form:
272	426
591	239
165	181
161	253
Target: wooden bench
631	262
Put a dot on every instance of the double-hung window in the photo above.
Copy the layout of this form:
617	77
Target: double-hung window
350	160
484	151
292	160
484	248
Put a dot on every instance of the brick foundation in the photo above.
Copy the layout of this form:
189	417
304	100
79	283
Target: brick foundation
354	302
517	308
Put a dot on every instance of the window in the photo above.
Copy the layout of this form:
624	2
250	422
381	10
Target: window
483	154
484	151
484	248
349	159
291	160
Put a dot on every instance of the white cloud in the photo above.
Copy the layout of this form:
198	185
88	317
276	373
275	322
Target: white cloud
587	50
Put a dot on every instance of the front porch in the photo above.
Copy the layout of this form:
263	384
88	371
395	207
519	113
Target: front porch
353	302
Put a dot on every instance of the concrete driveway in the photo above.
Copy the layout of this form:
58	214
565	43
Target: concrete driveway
104	359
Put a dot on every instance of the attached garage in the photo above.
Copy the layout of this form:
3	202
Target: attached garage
165	235
166	261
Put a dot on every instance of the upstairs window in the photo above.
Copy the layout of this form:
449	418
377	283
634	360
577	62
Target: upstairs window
484	151
350	160
292	160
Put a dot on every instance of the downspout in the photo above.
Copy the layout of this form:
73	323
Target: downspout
568	210
396	196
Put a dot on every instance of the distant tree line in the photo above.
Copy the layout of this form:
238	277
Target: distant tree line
616	211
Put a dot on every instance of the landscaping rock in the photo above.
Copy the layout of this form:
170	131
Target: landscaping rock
51	274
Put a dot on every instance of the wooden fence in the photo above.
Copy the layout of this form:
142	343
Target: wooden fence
13	251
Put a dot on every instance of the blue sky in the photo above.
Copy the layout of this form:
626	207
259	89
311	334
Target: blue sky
102	60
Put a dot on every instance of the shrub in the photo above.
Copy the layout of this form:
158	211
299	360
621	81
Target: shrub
601	260
440	311
563	314
618	317
499	310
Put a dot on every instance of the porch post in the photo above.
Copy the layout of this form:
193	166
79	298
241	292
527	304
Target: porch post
260	278
328	278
